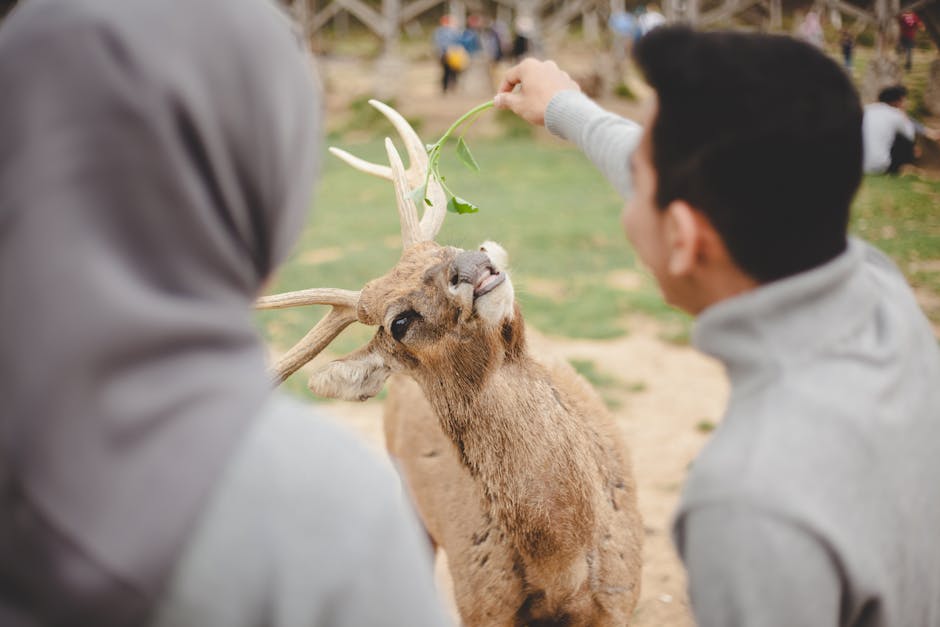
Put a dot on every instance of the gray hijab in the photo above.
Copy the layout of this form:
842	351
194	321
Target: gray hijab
156	161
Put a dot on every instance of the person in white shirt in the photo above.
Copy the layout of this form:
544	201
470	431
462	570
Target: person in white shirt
650	19
888	132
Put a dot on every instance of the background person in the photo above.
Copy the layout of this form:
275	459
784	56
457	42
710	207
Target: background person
446	42
810	29
889	133
909	24
524	33
156	162
649	19
824	465
625	30
847	47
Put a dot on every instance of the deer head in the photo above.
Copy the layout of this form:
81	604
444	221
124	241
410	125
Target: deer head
441	312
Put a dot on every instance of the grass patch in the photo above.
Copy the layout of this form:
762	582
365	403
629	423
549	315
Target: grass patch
623	90
590	310
899	215
637	387
604	383
512	125
705	426
588	369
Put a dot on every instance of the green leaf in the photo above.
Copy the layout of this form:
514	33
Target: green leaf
463	152
459	205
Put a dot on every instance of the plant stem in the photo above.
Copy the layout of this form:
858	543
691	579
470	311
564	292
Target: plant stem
466	116
434	152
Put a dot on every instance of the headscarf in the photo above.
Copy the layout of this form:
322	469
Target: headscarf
156	163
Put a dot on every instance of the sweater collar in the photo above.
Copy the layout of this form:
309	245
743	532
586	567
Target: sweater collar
776	324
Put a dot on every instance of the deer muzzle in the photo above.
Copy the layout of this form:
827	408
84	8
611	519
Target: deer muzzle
476	269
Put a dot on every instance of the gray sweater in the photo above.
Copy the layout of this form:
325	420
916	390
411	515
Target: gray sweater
817	500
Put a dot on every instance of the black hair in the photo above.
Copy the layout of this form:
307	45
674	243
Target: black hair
762	134
890	95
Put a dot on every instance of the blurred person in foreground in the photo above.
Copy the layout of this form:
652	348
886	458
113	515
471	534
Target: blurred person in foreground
889	133
156	165
816	502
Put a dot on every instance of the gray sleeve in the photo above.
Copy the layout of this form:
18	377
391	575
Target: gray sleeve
607	139
751	569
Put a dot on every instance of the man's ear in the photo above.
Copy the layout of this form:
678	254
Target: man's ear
692	241
683	238
356	377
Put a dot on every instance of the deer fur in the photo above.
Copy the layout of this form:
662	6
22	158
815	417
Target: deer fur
515	466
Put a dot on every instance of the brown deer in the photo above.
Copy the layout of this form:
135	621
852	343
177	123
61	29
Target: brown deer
515	466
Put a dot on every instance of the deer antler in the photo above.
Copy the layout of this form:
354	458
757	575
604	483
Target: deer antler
412	178
345	302
340	316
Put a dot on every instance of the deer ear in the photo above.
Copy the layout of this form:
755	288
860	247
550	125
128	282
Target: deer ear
356	377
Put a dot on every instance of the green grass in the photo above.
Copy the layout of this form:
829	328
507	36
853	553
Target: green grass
705	426
901	215
605	384
588	369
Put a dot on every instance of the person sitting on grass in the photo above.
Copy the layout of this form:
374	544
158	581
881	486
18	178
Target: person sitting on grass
889	133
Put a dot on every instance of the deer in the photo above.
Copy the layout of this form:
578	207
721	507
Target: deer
516	468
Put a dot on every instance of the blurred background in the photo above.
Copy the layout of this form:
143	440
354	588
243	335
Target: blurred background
582	292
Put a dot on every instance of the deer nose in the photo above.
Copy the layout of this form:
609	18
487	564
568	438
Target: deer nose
467	267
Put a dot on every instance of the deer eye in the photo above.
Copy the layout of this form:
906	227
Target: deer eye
401	323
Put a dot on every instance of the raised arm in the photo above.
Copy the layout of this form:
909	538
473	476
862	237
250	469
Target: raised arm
543	94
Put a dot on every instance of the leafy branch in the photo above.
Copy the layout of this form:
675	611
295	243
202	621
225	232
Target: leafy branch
455	204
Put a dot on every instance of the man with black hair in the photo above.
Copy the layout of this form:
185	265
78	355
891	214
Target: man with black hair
889	133
816	502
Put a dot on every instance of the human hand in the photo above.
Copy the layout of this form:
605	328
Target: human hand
529	86
933	134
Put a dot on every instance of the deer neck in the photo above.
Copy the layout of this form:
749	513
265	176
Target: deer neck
517	436
479	387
